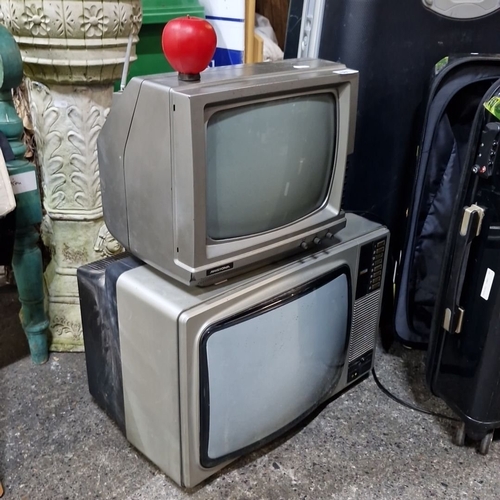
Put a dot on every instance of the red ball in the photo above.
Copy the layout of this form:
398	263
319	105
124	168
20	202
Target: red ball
189	44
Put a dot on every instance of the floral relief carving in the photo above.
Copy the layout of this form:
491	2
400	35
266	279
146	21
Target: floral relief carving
66	135
60	326
49	140
64	21
74	256
83	159
59	39
94	22
136	18
14	16
121	18
35	20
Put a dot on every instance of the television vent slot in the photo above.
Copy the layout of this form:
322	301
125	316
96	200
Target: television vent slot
98	265
364	325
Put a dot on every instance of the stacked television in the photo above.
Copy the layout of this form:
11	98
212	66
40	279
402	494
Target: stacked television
247	297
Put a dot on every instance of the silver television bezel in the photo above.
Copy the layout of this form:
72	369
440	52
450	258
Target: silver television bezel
193	251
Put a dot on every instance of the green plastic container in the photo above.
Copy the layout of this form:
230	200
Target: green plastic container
157	13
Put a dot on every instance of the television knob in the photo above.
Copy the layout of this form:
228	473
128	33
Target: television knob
316	241
329	235
304	245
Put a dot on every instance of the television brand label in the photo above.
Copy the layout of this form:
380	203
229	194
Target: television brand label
220	269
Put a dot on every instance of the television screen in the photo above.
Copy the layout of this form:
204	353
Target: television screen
268	163
299	343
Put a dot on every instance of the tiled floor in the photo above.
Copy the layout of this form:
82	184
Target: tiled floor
56	444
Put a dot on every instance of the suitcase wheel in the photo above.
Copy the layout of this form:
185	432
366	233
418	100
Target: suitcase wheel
484	446
485	442
460	435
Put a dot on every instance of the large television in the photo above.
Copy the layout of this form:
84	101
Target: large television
196	377
204	180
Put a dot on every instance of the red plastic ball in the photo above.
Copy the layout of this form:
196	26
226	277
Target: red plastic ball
189	44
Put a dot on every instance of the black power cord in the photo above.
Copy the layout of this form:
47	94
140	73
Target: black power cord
409	405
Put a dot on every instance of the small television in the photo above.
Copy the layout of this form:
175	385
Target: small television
203	180
195	377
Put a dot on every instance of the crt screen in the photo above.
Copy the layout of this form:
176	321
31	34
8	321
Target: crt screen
266	371
268	164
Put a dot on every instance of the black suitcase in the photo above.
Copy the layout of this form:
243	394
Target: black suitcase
455	93
463	365
394	44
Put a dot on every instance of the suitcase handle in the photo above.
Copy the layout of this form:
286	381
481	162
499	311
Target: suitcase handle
470	228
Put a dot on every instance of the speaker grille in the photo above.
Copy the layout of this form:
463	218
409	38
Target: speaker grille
364	325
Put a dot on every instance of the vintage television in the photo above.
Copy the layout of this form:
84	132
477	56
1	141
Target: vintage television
203	180
198	376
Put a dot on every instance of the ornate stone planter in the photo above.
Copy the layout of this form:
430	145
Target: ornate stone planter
73	52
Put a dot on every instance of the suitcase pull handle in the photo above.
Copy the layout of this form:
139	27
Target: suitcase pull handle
472	222
470	228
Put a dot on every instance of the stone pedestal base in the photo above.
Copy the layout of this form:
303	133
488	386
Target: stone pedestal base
73	244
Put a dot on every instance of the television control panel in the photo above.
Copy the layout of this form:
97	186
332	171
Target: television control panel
324	237
360	366
371	262
364	323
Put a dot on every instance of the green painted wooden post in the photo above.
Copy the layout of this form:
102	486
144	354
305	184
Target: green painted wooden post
27	259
